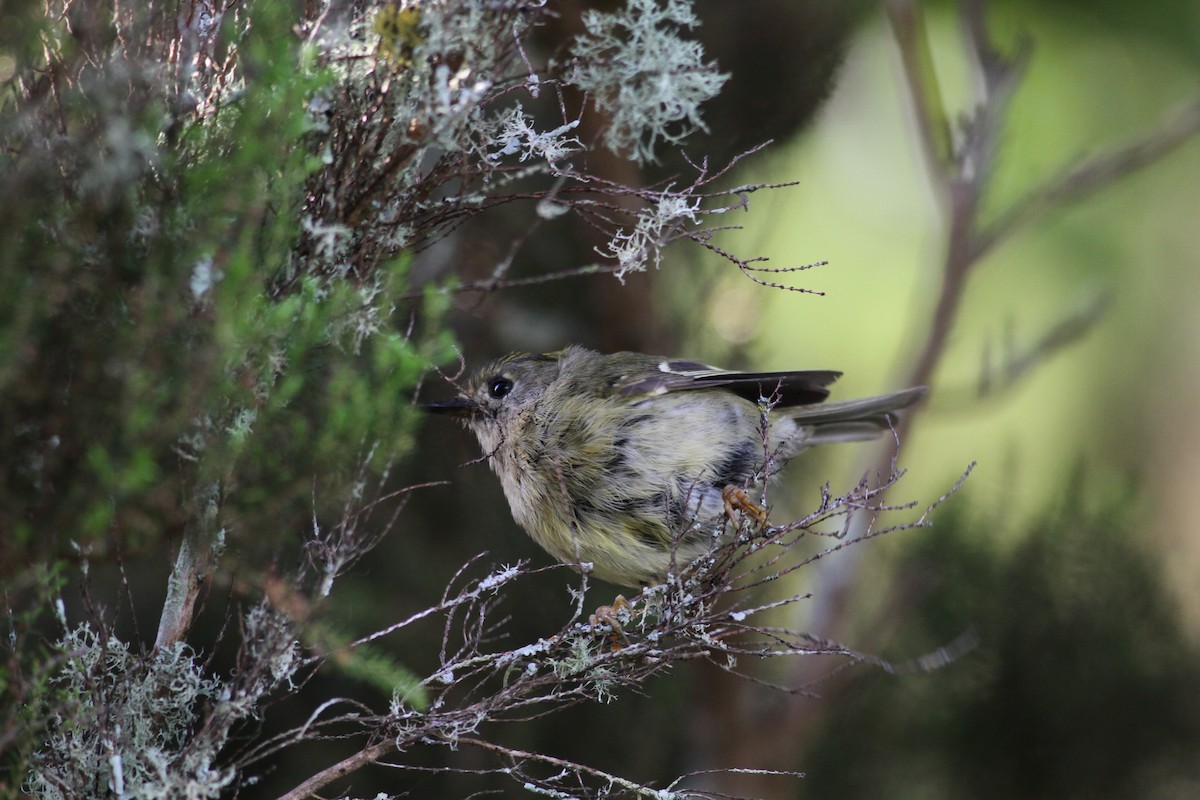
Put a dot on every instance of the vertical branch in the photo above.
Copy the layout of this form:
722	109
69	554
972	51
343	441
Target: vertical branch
960	172
198	554
908	25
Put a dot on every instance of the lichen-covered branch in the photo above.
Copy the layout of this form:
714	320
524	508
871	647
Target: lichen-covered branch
199	551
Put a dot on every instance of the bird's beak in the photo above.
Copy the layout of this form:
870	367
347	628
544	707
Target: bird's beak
456	407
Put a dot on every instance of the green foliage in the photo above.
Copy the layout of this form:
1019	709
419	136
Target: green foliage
375	668
144	343
161	333
26	673
1083	685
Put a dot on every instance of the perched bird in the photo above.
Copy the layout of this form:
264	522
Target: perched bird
627	461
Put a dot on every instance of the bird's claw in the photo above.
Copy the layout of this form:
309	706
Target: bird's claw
607	615
737	499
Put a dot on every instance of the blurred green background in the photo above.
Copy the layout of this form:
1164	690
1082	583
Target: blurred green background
1118	397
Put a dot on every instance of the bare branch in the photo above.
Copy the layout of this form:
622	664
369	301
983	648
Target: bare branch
347	766
704	611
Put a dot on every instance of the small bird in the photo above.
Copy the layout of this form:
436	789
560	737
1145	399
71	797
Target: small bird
626	462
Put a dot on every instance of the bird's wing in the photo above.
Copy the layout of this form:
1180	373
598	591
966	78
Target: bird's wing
660	377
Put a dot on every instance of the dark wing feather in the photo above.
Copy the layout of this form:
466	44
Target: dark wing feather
788	388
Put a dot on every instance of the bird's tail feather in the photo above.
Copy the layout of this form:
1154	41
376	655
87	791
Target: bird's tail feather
853	420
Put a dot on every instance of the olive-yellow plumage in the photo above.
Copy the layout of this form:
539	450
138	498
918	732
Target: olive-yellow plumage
621	461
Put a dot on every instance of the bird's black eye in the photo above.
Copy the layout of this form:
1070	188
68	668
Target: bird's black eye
499	386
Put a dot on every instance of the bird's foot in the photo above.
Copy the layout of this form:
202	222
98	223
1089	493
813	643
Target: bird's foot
737	499
608	615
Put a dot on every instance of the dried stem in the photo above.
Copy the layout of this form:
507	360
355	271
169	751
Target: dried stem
198	554
347	766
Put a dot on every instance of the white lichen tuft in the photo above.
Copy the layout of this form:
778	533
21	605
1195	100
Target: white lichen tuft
152	727
515	134
644	76
128	725
655	228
